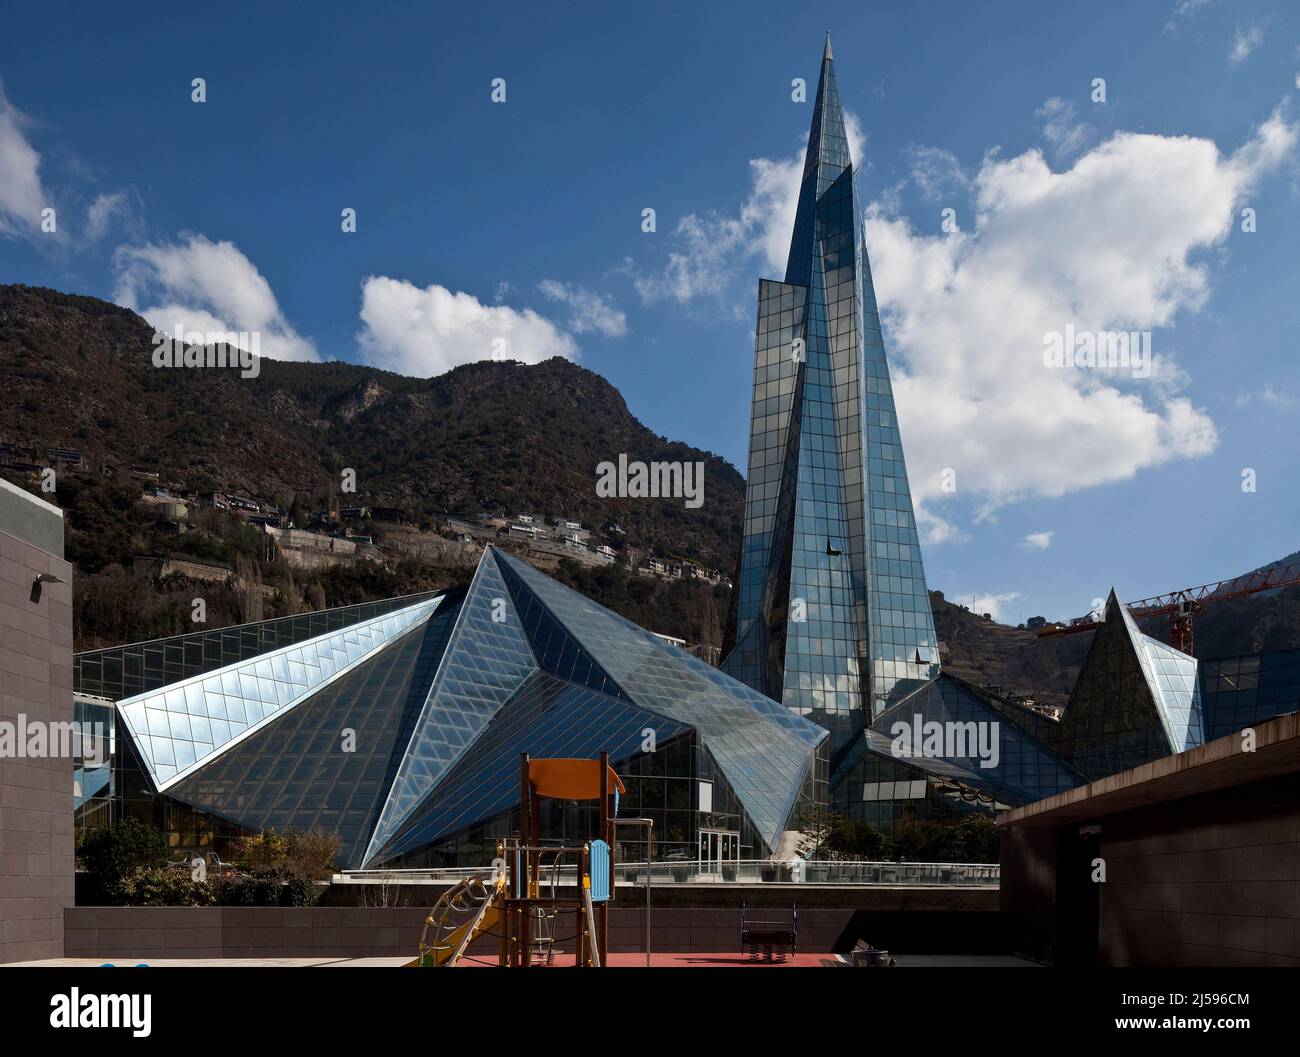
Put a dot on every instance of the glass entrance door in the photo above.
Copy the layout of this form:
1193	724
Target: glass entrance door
718	848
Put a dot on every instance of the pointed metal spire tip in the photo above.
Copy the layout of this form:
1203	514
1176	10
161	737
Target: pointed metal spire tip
826	54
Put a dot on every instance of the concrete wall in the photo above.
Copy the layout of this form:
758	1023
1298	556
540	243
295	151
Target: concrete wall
1028	889
1205	880
36	855
30	519
1210	880
352	932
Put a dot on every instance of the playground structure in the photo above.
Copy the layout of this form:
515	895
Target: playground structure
508	901
768	940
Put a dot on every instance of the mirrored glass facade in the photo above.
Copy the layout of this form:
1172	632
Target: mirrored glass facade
678	786
177	727
1135	700
93	789
487	660
996	751
765	751
884	789
328	761
554	718
1240	691
831	616
1173	676
118	672
402	731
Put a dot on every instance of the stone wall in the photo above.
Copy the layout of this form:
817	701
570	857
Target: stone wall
1028	889
1209	880
121	933
36	853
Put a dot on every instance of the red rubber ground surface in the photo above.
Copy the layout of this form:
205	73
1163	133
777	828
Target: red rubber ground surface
666	960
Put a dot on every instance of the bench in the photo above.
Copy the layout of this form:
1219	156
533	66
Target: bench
865	956
768	940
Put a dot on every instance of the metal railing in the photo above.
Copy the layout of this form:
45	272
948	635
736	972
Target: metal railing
812	871
744	871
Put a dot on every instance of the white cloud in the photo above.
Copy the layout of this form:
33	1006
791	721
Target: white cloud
1110	243
992	604
1116	241
1184	11
589	310
202	285
22	196
424	332
711	251
935	529
1269	396
23	193
1245	41
103	211
936	172
1062	127
1038	541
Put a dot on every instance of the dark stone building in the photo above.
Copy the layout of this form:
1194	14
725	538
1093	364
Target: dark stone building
1201	859
36	852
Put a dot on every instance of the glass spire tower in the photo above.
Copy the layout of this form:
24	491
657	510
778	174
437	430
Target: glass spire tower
830	615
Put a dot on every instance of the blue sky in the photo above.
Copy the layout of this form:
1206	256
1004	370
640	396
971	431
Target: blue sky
522	221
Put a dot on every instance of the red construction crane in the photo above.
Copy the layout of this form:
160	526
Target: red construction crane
1180	606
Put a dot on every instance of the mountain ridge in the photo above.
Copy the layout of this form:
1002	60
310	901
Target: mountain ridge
485	436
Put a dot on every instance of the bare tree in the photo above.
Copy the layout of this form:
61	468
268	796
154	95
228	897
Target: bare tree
385	890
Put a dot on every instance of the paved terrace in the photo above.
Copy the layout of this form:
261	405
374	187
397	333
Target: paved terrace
801	960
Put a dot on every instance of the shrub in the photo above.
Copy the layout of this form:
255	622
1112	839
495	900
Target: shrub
249	890
922	840
853	838
312	854
262	851
974	839
299	892
155	886
971	838
114	853
265	890
282	868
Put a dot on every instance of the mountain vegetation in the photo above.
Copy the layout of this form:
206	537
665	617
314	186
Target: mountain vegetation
487	437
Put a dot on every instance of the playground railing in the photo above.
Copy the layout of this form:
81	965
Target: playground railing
812	871
744	871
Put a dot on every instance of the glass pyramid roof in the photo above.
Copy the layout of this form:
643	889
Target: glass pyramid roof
179	727
762	747
487	660
441	697
1025	769
1175	684
1135	700
328	761
548	717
